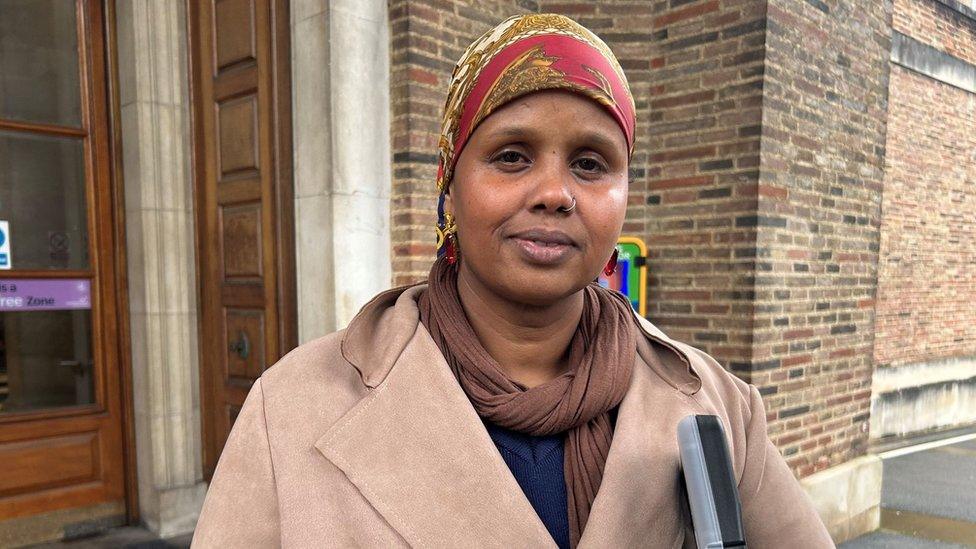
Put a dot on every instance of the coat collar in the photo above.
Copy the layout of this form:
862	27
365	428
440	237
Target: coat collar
417	450
379	333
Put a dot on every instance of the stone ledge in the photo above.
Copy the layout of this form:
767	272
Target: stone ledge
923	397
959	7
932	62
848	497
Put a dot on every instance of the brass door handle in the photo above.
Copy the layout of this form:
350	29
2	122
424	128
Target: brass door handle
242	346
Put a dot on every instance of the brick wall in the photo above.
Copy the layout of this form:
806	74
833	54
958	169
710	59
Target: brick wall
927	278
822	153
938	25
699	221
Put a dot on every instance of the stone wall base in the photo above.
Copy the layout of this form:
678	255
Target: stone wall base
848	497
61	524
178	510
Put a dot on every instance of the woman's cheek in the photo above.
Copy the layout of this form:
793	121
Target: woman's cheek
618	195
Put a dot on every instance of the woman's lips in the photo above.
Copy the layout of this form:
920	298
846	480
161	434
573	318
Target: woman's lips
542	247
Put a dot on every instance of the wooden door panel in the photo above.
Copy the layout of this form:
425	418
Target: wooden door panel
46	463
241	242
237	120
67	461
235	32
242	140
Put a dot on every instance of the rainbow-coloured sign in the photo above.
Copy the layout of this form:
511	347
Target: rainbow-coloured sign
630	278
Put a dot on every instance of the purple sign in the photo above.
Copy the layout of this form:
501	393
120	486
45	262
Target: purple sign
40	294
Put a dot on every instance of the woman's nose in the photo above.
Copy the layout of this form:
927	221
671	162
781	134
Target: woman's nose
551	187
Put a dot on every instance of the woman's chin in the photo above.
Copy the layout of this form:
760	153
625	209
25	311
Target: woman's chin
542	287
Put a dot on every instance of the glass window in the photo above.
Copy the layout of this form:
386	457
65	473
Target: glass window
39	62
42	199
45	360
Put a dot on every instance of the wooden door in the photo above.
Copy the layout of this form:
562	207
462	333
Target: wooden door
242	142
61	419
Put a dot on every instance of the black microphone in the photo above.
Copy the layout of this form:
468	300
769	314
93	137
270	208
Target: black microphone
713	497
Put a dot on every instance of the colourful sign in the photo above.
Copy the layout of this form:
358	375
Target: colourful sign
44	294
630	278
5	245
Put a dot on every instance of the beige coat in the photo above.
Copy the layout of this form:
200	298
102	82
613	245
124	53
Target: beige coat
363	438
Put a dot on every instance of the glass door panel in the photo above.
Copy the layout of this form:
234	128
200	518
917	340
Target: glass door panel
42	200
39	77
47	360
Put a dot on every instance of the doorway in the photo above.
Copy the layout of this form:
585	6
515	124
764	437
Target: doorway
61	406
241	95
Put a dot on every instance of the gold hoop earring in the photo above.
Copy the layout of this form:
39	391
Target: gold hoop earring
448	230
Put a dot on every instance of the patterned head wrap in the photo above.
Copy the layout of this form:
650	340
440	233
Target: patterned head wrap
522	55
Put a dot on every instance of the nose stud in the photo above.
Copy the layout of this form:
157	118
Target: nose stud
569	209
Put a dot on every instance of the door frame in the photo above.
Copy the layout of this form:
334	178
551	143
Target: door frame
110	24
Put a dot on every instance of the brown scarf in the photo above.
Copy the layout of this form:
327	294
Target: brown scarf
601	358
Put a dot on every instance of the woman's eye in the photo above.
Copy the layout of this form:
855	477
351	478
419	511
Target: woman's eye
590	165
509	157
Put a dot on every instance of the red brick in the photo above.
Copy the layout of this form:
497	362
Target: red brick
687	99
686	13
683	154
696	181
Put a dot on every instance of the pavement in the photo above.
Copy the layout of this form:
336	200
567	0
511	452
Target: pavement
928	499
127	537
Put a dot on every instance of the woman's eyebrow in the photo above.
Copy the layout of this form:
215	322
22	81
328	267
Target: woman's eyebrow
518	132
597	139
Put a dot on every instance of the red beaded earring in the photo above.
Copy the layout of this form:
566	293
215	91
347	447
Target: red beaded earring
611	265
450	252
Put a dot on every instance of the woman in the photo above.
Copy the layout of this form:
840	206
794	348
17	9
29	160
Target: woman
510	401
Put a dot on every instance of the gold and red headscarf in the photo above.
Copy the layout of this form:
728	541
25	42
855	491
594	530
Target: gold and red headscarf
522	55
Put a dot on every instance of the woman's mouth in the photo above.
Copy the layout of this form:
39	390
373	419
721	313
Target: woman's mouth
544	247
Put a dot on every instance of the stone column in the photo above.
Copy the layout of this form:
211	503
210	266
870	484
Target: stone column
341	102
156	145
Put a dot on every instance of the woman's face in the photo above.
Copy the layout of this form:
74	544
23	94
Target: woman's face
522	164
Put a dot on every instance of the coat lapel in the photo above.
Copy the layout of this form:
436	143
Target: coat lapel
417	450
640	502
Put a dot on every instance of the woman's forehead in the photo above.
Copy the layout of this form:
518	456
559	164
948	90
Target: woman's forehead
550	112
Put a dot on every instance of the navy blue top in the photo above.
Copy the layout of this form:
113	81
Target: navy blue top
537	465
